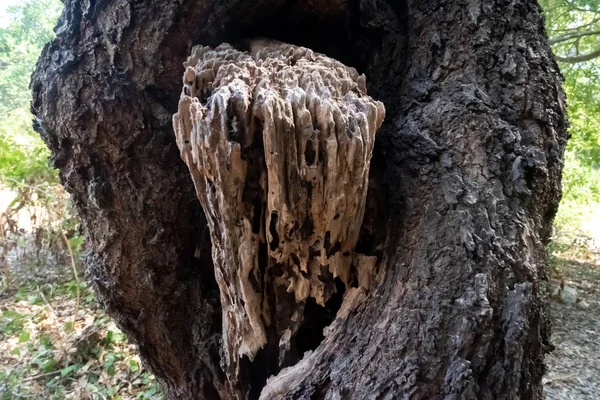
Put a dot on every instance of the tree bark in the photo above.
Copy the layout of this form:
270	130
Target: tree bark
464	184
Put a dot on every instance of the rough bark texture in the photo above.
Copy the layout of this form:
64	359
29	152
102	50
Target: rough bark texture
464	183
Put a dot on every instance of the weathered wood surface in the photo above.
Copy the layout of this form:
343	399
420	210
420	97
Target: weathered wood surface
278	142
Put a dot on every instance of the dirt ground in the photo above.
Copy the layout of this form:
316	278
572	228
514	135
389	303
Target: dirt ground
574	365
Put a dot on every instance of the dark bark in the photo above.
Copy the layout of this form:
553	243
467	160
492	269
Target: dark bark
465	184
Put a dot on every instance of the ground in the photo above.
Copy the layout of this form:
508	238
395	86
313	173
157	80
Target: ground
55	341
574	365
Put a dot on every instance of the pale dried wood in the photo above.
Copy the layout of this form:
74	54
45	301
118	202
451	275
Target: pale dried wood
278	142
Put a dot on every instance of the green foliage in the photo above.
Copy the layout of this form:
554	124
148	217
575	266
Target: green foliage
581	85
581	181
11	323
23	156
28	29
573	27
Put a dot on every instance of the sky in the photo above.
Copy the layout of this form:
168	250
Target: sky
4	4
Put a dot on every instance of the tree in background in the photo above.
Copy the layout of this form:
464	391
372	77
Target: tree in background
27	27
574	30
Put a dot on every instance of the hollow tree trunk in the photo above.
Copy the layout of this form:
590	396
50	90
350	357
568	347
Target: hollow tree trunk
464	184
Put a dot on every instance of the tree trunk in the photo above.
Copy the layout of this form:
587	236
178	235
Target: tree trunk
464	184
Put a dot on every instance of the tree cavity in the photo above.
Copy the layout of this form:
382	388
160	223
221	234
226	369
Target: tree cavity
278	141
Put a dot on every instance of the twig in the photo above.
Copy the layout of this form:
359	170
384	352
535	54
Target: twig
35	377
570	36
30	187
579	58
131	380
4	250
48	305
578	27
19	395
74	273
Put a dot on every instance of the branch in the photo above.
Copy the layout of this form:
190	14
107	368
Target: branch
581	58
35	377
576	28
570	36
64	237
585	10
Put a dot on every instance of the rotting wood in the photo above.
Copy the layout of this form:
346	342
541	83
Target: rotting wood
278	142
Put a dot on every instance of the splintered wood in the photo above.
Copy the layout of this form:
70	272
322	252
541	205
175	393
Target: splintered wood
278	142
